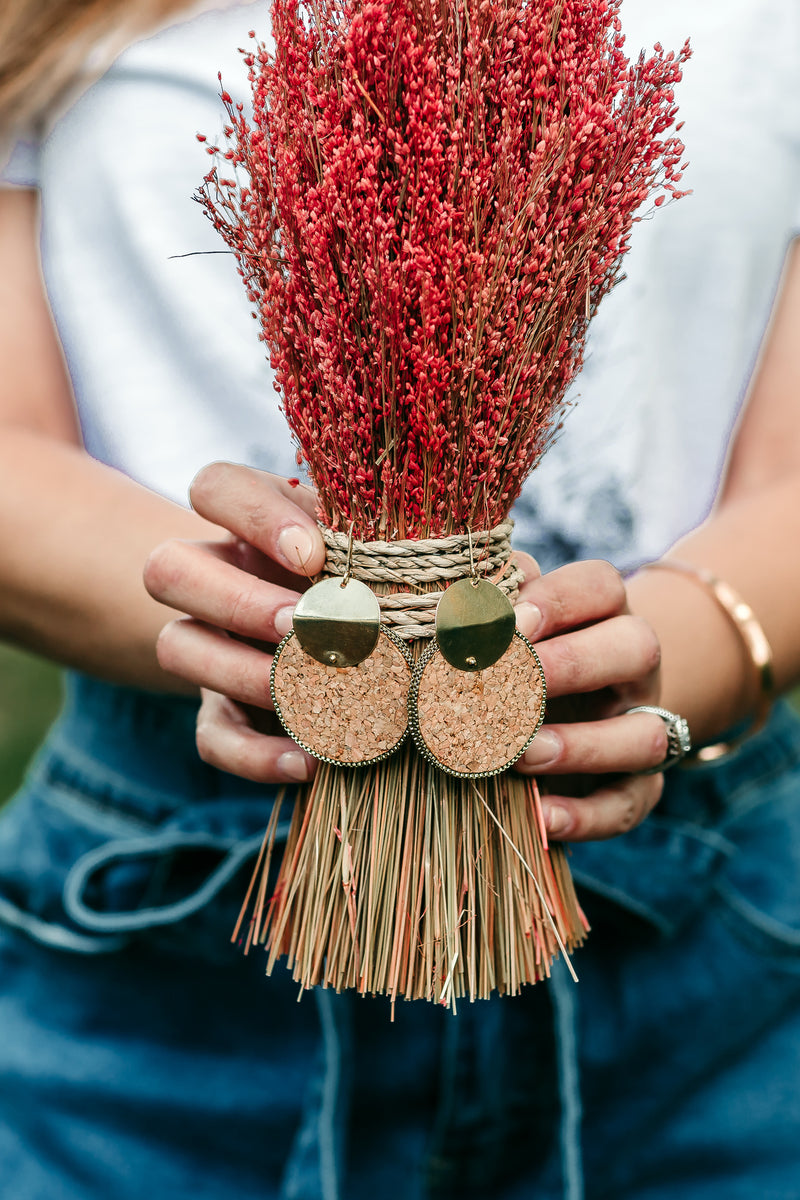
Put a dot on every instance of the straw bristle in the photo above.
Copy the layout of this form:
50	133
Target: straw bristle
395	881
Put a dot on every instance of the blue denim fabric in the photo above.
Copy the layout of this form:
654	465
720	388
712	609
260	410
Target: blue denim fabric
140	1053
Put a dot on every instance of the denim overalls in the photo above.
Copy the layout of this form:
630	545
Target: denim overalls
141	1055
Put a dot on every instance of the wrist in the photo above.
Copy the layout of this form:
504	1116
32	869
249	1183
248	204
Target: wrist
707	671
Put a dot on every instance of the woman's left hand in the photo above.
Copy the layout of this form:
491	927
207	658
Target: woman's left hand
599	661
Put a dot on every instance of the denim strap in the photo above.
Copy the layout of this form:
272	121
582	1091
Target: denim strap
153	846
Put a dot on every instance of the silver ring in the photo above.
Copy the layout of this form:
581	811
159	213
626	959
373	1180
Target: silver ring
679	740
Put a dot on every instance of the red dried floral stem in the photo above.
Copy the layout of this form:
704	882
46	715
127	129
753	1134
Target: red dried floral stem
435	198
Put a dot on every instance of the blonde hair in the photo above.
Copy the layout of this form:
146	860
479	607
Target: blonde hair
45	46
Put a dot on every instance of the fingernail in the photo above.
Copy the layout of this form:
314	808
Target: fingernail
295	765
297	545
529	618
284	619
557	820
544	749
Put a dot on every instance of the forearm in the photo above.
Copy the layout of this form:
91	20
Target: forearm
74	536
750	542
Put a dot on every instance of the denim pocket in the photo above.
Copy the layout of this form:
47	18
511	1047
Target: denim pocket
759	890
727	833
180	886
92	855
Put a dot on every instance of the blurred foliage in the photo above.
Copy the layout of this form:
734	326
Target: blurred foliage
30	695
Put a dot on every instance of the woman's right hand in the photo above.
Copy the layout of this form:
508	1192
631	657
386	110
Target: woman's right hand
240	594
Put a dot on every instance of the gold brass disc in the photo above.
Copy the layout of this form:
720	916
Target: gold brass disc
337	623
347	715
477	723
475	624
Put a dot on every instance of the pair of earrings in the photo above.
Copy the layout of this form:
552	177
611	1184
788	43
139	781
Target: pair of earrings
347	690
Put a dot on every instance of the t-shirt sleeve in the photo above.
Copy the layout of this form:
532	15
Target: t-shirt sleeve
20	167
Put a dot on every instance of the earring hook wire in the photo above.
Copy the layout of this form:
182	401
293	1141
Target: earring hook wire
473	574
349	562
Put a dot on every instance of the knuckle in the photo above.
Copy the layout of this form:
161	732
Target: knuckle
659	743
162	568
182	649
639	798
555	610
567	665
167	646
226	758
655	791
214	708
263	516
214	718
549	591
630	813
205	739
243	609
611	582
207	482
648	645
231	751
589	755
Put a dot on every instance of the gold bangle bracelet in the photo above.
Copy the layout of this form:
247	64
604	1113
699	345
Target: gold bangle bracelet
748	627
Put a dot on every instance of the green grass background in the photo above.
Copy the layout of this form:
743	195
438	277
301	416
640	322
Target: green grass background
30	694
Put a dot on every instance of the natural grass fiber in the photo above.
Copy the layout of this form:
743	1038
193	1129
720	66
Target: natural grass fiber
399	879
396	881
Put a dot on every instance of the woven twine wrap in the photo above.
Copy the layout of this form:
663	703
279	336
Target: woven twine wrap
419	563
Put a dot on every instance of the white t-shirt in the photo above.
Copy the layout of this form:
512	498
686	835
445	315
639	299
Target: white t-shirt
165	360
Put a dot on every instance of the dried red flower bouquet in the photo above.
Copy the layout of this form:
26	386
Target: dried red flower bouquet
427	207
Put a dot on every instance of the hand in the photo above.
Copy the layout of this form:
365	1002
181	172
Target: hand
598	661
240	594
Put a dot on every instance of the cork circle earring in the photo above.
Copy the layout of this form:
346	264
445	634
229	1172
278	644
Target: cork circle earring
478	693
340	678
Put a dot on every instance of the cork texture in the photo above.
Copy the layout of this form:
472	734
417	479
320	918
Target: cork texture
480	722
349	714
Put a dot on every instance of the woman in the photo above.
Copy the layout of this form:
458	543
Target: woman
135	1048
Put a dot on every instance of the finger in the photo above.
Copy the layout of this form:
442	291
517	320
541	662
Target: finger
619	651
634	742
264	510
241	554
209	658
226	740
529	618
613	809
191	578
570	596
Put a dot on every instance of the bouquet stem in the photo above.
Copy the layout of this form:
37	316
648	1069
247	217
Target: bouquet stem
427	207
